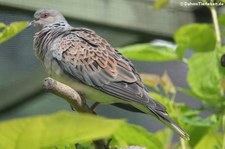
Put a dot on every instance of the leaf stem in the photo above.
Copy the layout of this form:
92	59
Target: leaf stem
182	143
216	26
185	60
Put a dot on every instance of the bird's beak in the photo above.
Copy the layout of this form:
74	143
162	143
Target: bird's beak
30	24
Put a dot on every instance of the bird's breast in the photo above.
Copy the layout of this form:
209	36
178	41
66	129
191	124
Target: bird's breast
86	91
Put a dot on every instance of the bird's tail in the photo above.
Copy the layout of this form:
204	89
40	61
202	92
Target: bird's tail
165	119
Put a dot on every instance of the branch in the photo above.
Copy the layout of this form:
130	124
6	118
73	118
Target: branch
74	99
67	93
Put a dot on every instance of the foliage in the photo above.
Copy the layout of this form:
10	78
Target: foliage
62	128
208	87
198	37
11	30
46	131
205	78
148	52
125	137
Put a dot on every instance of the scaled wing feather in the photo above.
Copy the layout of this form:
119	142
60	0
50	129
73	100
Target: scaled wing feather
91	59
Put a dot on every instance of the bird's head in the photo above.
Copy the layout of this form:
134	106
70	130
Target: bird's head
46	16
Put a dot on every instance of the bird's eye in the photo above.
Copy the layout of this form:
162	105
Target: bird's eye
45	15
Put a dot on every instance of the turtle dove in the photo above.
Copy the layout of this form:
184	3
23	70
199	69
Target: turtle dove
85	61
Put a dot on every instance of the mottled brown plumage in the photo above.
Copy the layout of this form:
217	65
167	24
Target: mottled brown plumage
93	66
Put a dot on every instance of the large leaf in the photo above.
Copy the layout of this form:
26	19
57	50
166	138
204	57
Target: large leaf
210	141
204	77
11	30
199	37
148	52
57	129
128	135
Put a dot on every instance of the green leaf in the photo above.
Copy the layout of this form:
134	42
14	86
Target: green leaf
128	135
71	146
54	130
181	49
196	134
148	52
210	141
159	4
188	119
199	127
204	77
2	25
197	121
11	30
165	136
199	37
177	111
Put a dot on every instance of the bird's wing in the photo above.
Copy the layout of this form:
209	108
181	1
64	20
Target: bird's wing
90	59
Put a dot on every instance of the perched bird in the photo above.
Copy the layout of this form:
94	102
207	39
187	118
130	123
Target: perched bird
85	61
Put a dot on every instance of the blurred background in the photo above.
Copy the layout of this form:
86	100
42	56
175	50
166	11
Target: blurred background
121	22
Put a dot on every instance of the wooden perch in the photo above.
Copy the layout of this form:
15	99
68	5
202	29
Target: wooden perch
67	93
74	99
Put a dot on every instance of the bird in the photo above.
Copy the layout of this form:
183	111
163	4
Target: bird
82	59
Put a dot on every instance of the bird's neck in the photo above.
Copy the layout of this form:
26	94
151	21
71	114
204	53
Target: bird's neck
57	25
44	38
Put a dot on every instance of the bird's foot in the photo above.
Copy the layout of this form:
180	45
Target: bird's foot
108	143
72	108
94	106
